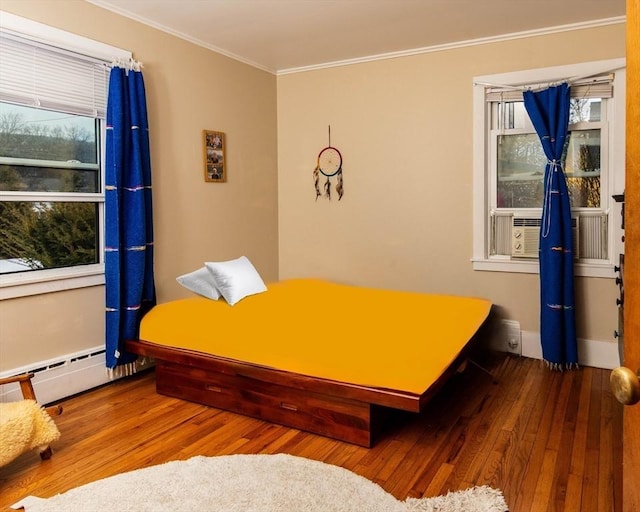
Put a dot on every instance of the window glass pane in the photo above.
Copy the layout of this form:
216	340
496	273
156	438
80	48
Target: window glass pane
514	116
40	235
582	168
521	163
39	134
584	110
23	178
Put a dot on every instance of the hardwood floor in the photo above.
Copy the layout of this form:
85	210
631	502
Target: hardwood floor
550	441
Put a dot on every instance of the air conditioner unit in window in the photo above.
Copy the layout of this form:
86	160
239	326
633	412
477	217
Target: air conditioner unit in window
525	237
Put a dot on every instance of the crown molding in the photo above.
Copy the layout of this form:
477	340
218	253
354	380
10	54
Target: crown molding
370	58
461	44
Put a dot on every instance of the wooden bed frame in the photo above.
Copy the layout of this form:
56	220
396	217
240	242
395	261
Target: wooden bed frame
339	410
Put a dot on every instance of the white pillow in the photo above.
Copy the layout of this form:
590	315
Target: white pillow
236	279
201	282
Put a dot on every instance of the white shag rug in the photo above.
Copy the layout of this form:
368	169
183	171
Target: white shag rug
252	483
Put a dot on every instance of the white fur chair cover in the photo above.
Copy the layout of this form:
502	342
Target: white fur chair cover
24	425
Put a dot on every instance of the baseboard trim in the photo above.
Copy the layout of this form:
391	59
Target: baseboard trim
595	353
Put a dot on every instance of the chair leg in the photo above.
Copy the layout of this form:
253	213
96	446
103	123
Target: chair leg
46	453
54	410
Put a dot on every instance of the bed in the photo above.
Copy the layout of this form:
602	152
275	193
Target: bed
310	354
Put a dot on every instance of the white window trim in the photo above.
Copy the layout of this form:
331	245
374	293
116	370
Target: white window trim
56	37
481	260
23	284
51	280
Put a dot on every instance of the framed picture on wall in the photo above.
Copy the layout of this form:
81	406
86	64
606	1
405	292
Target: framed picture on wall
215	168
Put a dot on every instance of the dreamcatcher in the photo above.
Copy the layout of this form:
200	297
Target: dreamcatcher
329	164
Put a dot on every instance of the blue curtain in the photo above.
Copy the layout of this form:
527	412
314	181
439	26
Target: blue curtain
130	288
549	112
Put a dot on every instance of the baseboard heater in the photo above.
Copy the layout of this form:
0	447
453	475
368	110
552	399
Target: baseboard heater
61	377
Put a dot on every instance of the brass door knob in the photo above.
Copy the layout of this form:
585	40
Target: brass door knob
625	385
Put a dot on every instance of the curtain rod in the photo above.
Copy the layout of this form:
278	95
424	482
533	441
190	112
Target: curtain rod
567	80
128	64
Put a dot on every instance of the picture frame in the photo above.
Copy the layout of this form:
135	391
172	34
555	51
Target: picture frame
215	168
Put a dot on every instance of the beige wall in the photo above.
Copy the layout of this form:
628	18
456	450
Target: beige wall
189	88
404	127
44	327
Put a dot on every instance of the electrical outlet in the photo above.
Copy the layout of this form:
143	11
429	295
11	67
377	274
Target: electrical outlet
512	337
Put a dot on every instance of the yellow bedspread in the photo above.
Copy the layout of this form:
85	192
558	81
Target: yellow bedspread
372	337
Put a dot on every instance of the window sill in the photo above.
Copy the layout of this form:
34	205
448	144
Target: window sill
586	269
47	281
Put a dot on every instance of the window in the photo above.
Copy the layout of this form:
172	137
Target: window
51	179
53	88
509	166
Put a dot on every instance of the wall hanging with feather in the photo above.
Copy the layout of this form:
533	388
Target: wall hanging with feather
328	165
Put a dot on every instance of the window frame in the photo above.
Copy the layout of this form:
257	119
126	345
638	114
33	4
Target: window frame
482	186
36	282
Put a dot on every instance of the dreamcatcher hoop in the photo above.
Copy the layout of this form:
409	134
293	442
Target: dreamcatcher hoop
330	161
329	164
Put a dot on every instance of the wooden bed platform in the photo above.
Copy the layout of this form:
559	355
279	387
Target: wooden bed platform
348	412
271	356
